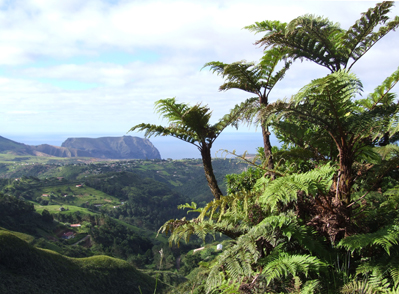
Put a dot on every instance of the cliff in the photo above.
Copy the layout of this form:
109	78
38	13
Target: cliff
126	147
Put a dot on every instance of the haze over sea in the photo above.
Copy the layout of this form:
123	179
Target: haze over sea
168	147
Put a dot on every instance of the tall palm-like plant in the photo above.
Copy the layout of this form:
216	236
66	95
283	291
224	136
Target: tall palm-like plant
329	103
320	40
258	79
192	125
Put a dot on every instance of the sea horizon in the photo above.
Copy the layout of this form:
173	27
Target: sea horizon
168	147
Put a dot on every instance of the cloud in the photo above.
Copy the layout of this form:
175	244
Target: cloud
61	29
51	50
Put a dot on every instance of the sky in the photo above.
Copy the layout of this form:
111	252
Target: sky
95	68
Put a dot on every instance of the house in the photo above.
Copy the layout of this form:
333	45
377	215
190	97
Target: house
68	235
79	186
45	195
75	225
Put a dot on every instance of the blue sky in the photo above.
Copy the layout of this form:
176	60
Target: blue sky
95	68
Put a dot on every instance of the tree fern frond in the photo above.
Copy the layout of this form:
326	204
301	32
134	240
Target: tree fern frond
361	36
388	152
285	189
394	272
324	42
235	115
310	287
169	109
381	94
227	286
359	287
385	237
286	265
192	207
268	27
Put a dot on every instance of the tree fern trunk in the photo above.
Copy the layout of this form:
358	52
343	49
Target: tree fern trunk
346	178
210	177
268	150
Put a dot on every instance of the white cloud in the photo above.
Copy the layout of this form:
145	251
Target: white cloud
184	34
68	28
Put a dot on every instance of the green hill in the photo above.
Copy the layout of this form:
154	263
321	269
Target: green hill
25	269
11	146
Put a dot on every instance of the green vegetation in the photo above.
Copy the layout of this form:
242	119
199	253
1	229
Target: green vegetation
191	124
318	215
69	209
6	158
25	269
325	218
142	203
258	79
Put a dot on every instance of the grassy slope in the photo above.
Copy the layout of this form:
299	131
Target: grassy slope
25	269
56	209
80	195
26	237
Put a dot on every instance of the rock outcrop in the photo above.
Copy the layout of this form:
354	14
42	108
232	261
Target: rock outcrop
126	147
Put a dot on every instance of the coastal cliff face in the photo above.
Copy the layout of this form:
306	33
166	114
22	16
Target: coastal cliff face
126	147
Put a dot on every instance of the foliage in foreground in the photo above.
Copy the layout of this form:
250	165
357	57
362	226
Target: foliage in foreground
332	224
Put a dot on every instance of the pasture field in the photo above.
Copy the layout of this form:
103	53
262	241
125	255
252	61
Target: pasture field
71	195
70	209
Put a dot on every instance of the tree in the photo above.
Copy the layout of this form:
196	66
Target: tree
335	220
47	217
353	125
282	247
192	125
326	110
322	41
258	79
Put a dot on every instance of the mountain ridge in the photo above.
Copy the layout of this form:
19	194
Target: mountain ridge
126	147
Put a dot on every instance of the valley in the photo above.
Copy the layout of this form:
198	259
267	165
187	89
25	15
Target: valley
83	209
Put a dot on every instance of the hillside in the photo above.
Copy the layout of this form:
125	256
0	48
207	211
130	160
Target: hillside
60	151
125	147
11	146
118	205
25	269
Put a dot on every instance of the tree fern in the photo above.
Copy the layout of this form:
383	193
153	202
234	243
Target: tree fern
323	41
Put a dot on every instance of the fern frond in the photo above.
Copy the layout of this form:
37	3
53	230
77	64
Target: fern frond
359	38
285	265
285	189
385	237
310	287
324	42
359	287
